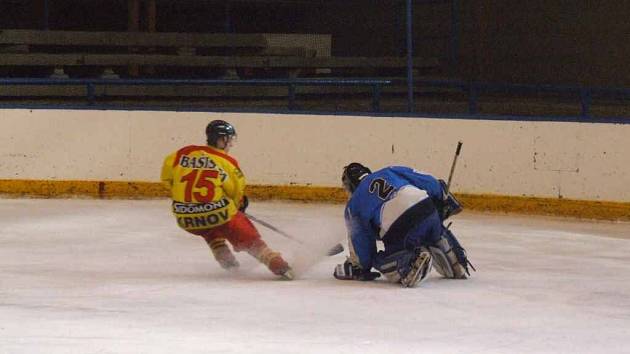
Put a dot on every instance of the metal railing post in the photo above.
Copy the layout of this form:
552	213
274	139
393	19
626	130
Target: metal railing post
455	28
46	21
585	102
376	98
472	99
409	10
90	93
291	96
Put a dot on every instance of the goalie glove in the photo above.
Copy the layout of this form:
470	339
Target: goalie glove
448	206
347	271
244	204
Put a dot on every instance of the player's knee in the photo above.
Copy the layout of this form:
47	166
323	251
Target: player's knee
243	235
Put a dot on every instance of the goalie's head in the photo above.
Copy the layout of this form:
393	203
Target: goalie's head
352	176
219	133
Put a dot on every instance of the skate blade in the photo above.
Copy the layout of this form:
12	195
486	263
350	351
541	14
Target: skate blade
288	275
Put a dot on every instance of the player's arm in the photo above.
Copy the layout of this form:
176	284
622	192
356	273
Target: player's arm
423	181
234	184
167	171
239	187
362	249
444	201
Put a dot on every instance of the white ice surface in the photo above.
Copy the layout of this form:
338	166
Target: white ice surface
104	276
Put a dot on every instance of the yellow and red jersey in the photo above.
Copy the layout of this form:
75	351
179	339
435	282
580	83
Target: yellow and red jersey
206	186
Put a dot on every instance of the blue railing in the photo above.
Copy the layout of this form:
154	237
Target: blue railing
473	90
291	84
582	94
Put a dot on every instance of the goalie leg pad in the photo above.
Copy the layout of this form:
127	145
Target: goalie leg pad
441	263
406	267
450	257
393	265
419	270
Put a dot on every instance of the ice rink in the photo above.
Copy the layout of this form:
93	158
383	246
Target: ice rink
112	276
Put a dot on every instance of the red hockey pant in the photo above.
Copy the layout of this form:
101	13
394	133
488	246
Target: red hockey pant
239	231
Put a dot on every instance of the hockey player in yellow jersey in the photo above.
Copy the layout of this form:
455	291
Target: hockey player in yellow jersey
207	188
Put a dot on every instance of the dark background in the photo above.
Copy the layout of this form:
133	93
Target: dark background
535	41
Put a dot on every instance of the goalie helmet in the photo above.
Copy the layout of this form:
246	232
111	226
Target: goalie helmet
352	175
217	129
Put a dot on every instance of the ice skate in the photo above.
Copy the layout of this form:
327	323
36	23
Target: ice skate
288	275
280	267
230	265
227	260
420	268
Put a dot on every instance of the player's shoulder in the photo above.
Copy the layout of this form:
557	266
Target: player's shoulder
217	153
391	169
407	171
214	153
399	168
186	150
390	172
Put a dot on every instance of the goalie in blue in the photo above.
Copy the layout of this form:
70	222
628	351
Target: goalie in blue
404	209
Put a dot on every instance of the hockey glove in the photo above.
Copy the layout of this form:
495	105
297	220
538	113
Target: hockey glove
244	204
347	271
448	206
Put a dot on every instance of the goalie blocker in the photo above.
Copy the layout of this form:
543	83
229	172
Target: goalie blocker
347	271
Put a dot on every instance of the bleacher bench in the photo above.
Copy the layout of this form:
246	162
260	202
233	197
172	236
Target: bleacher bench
71	48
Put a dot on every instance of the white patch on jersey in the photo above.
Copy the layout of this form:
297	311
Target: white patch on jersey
405	198
352	254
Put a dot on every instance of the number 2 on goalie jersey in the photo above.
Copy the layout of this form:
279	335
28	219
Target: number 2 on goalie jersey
202	188
381	188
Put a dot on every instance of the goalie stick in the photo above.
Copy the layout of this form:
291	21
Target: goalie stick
338	248
450	175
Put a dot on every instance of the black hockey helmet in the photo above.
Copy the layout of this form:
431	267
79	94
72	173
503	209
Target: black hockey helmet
217	129
352	175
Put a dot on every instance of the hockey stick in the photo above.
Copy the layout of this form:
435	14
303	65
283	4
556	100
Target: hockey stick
338	248
450	175
273	228
450	205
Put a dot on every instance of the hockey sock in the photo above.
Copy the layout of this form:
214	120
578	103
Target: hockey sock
222	253
273	260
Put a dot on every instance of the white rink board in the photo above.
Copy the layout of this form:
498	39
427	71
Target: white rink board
515	158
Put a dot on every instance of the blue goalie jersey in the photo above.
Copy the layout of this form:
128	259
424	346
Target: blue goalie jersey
379	205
